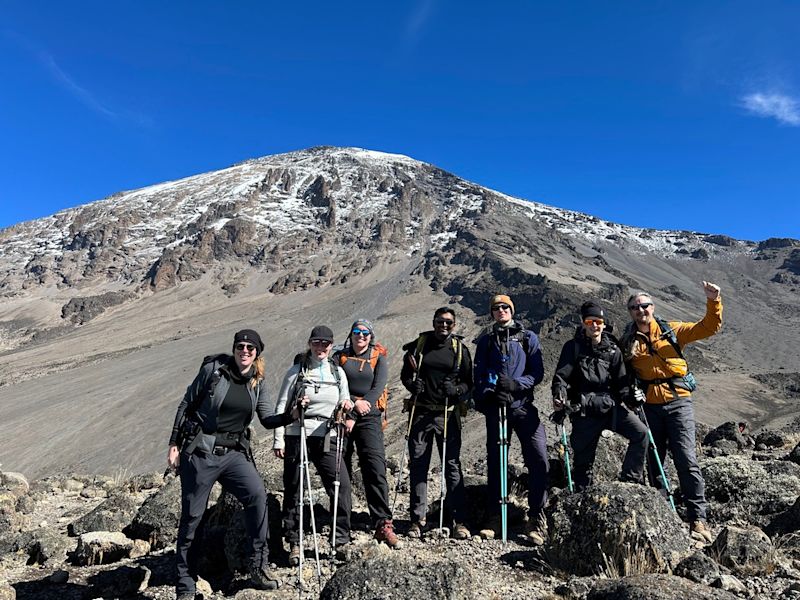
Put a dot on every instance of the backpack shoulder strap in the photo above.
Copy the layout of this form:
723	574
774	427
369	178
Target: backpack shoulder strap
667	333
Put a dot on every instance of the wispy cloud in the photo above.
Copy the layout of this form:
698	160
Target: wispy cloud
68	83
418	18
783	108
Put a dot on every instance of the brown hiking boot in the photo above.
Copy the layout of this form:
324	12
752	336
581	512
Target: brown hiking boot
460	532
262	579
294	555
699	531
492	528
535	532
415	531
385	533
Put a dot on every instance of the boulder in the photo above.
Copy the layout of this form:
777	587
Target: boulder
654	587
727	432
157	519
794	455
14	483
618	528
383	575
754	492
102	547
122	582
48	547
746	551
699	568
7	592
113	514
770	439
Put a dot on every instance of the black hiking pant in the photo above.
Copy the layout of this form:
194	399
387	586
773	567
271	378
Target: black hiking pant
586	434
524	420
428	426
325	463
366	439
237	475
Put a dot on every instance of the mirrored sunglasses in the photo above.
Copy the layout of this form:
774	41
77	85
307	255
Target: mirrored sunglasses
591	322
364	332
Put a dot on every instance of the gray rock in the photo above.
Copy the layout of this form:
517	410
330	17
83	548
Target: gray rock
749	491
699	568
48	547
727	432
729	583
794	455
7	592
102	547
387	577
745	551
157	519
114	514
14	483
770	439
615	527
655	587
121	582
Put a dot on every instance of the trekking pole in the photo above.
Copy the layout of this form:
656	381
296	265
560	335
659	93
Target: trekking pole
565	446
667	486
306	467
444	463
503	441
337	483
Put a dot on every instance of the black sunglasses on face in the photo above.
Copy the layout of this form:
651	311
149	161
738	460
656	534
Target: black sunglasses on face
248	347
501	307
640	306
445	322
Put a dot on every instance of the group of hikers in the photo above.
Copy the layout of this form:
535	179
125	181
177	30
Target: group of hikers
331	405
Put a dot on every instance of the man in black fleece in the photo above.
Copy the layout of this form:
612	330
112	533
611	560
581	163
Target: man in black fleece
437	370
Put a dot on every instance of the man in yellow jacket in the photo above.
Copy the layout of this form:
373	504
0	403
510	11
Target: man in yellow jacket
662	373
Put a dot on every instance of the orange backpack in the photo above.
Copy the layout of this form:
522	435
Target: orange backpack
383	401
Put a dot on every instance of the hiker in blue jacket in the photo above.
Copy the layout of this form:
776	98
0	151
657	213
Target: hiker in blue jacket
512	354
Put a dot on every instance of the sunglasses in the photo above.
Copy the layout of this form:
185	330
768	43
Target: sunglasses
364	332
641	306
501	307
591	322
248	347
445	322
323	343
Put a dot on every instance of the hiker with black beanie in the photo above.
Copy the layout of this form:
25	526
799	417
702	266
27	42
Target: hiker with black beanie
210	442
322	386
591	384
366	365
437	370
508	364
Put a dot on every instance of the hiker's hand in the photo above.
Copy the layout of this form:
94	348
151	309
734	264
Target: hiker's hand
418	387
279	452
506	383
558	404
362	407
348	425
173	458
711	290
347	405
639	397
450	388
504	398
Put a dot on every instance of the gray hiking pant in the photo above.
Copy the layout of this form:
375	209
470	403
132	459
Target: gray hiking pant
586	434
237	475
673	427
428	426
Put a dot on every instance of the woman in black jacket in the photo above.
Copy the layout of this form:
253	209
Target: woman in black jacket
210	443
366	366
592	385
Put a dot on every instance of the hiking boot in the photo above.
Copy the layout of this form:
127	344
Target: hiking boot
385	533
460	532
294	555
535	532
701	533
261	579
492	528
415	531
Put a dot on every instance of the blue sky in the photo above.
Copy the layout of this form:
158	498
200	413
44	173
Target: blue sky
656	114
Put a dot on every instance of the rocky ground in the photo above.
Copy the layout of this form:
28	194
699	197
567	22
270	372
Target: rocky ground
113	537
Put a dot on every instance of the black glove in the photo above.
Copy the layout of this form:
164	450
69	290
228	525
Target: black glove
504	398
636	399
450	388
506	384
418	387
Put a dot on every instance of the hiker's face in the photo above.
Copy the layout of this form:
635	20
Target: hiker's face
444	324
360	338
501	313
593	328
641	309
244	354
320	348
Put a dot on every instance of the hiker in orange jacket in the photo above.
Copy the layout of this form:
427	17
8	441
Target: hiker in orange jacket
656	359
